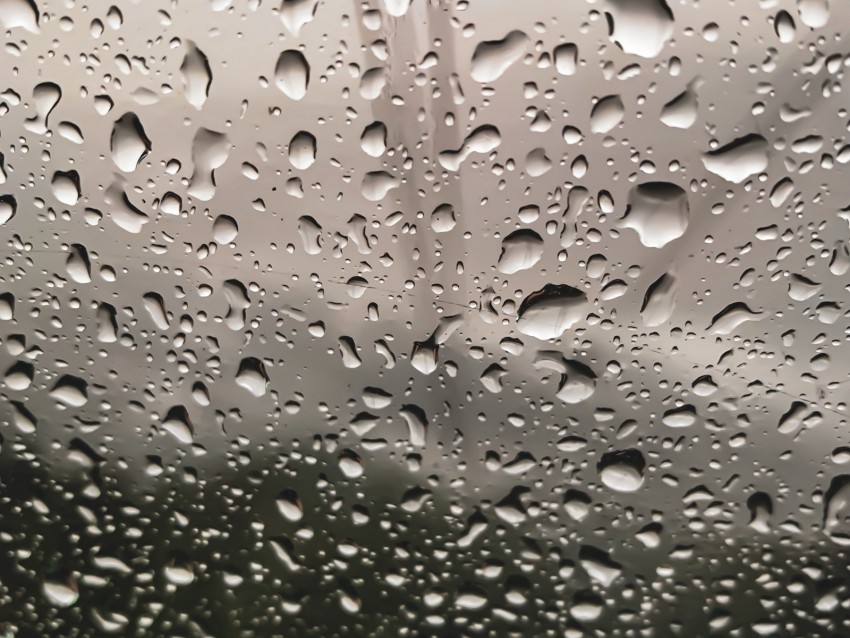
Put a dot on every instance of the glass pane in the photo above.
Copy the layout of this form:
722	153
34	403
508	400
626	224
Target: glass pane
424	317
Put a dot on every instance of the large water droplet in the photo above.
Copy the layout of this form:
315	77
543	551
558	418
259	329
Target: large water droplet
640	27
66	187
302	150
493	57
551	311
658	212
606	114
210	150
252	376
622	471
19	13
521	250
739	159
197	75
129	142
292	74
45	97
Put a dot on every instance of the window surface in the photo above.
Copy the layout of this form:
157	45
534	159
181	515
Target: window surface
424	318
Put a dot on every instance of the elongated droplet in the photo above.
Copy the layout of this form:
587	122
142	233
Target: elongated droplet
129	142
292	74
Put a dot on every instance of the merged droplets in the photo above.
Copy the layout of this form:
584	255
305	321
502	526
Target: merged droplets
566	58
129	142
373	141
197	75
658	212
522	249
640	27
70	391
78	265
397	8
659	302
682	111
8	208
377	184
19	376
295	14
551	311
606	114
302	150
45	97
210	150
739	159
727	320
578	383
66	187
814	13
290	506
225	229
492	58
252	376
178	424
482	140
19	14
119	208
836	510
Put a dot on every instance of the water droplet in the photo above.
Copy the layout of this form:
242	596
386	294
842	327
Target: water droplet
566	58
640	27
681	111
484	139
732	316
658	212
622	471
70	391
739	159
493	57
376	185
45	96
290	506
814	13
19	376
78	265
60	593
197	75
659	302
551	311
210	150
521	250
606	114
295	14
178	424
397	8
155	306
129	142
292	74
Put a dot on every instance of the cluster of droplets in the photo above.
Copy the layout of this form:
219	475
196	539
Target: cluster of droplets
404	312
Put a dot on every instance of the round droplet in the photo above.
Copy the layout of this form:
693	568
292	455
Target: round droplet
622	471
225	229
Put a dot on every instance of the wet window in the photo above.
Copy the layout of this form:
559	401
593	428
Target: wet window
424	317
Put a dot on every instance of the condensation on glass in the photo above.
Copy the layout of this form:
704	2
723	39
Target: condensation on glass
424	317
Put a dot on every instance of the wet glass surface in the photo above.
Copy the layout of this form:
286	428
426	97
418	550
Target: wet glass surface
424	317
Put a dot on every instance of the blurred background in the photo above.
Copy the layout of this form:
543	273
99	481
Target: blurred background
424	317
